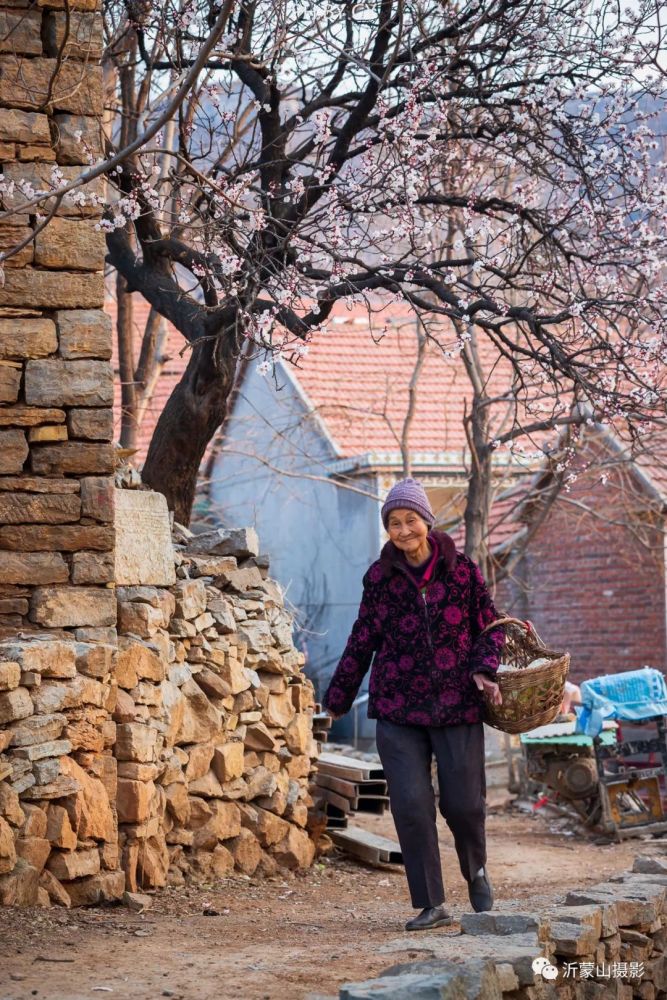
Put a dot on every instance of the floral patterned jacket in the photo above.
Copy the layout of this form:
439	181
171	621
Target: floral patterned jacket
425	649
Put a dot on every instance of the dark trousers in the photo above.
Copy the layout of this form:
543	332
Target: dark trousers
406	753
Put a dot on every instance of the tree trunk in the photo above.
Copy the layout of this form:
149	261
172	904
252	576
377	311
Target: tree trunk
478	502
128	389
412	398
192	414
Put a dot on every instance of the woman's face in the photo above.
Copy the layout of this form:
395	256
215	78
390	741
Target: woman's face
407	530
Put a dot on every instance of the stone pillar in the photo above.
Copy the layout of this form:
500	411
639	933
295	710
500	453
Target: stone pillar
58	831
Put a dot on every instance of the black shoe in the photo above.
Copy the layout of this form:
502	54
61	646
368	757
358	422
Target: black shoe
432	916
480	892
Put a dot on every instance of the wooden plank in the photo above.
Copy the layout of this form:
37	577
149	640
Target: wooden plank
337	800
340	785
368	846
338	771
368	769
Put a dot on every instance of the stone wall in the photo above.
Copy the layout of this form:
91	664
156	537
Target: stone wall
606	942
56	382
57	608
179	747
214	739
182	746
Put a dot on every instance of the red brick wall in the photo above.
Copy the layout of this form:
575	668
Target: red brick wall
594	587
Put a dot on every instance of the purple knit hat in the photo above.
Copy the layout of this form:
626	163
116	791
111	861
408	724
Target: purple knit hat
408	494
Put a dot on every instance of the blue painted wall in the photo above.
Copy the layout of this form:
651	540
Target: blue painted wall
320	538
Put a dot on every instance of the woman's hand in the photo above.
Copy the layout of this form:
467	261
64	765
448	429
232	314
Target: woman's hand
489	687
333	715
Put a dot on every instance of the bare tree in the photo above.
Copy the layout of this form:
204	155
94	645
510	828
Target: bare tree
315	157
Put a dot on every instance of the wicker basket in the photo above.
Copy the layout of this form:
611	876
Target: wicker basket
532	696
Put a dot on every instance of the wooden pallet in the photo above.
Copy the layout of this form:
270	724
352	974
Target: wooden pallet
351	785
368	846
344	785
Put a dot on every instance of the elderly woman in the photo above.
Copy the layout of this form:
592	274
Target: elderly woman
423	610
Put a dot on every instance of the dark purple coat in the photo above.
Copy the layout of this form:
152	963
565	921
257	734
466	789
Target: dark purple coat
426	648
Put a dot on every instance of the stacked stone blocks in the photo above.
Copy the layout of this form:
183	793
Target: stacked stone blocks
606	942
214	721
182	748
57	604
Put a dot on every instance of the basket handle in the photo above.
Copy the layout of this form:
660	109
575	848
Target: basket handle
527	625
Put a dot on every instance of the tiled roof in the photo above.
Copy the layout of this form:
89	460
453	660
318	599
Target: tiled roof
357	373
356	376
651	461
508	515
504	517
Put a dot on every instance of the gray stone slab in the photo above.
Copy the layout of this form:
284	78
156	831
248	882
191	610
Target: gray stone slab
518	950
239	542
144	550
639	879
476	980
649	866
37	751
500	923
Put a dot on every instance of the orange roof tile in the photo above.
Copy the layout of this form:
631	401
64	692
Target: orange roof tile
357	374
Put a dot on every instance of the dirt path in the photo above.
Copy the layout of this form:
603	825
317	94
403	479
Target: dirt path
284	939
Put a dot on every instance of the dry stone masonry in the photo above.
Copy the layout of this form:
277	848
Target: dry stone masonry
214	720
57	603
178	745
154	720
607	942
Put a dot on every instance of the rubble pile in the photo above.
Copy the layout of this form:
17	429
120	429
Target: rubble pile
187	749
214	721
57	772
607	942
180	745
